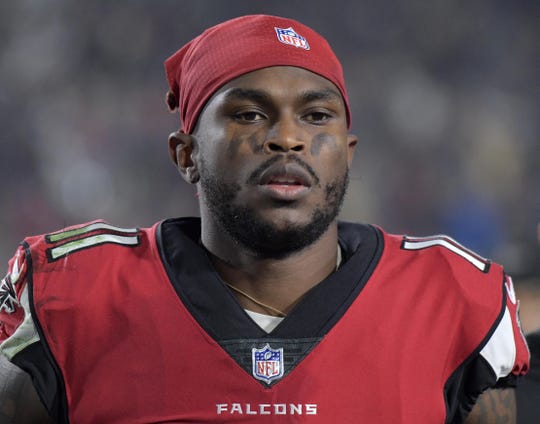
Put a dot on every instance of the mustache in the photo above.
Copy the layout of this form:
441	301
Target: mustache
255	176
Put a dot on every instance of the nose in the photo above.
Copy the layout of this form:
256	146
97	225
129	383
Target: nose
284	137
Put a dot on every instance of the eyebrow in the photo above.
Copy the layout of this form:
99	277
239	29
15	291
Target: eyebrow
264	97
314	95
247	94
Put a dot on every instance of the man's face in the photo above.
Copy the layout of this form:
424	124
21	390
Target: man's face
273	154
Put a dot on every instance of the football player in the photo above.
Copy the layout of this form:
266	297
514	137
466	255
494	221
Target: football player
266	308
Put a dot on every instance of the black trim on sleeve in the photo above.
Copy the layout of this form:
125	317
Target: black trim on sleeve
40	363
462	389
33	360
471	378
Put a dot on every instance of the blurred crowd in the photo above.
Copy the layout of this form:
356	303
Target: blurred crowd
444	98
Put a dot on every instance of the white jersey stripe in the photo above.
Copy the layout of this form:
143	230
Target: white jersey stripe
77	231
24	335
500	350
422	244
83	243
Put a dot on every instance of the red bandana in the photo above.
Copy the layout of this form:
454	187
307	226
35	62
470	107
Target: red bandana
241	45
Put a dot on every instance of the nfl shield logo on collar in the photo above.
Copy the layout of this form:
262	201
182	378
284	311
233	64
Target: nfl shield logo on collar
291	37
267	363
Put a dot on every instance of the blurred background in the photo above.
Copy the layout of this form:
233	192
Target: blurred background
444	98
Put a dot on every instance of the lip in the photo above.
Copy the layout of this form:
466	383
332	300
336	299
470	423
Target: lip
288	173
285	181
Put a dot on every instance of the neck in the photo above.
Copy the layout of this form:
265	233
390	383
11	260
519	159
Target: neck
279	283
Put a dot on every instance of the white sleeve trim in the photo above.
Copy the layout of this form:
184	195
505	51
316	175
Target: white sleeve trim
500	350
24	335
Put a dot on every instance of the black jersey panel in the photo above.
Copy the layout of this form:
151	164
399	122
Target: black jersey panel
294	350
197	283
216	309
38	361
471	378
323	306
34	361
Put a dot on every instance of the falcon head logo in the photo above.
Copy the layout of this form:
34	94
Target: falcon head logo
8	297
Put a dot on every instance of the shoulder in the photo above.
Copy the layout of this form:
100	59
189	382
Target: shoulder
43	253
477	292
481	296
95	241
447	267
72	254
92	254
441	248
66	241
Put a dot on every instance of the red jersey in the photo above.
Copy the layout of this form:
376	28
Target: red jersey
135	326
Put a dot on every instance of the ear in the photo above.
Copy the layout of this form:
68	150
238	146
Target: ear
352	140
181	150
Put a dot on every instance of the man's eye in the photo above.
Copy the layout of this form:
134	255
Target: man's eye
318	117
249	116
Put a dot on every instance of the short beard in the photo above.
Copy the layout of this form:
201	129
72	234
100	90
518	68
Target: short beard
261	237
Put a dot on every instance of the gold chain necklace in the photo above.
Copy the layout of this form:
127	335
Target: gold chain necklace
271	308
264	305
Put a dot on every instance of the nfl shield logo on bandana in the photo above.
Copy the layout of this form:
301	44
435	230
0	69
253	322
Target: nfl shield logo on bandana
291	37
267	363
